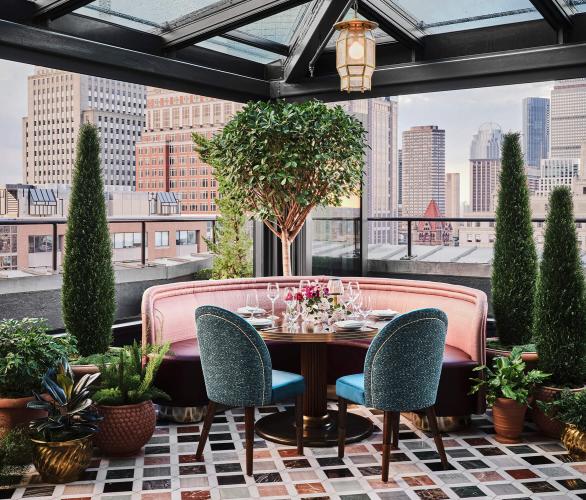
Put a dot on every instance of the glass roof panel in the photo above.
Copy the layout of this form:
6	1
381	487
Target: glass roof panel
455	15
238	49
279	27
576	5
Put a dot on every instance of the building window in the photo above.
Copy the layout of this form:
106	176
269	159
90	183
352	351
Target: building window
161	238
126	240
185	237
40	244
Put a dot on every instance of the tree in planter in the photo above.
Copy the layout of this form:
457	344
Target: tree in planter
560	318
283	159
514	266
88	294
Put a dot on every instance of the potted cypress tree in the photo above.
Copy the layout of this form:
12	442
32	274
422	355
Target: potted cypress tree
88	292
560	316
514	266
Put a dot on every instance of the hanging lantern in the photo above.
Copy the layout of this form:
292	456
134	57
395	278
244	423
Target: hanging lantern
355	54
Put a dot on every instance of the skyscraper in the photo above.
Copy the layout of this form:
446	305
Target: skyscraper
535	130
485	166
166	157
58	103
423	169
568	118
453	195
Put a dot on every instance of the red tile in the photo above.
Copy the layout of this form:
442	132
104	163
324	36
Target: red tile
196	495
356	448
273	490
189	429
487	476
418	480
308	488
288	452
580	468
261	454
156	460
187	459
521	473
156	496
377	484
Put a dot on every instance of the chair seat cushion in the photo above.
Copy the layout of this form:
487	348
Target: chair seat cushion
286	385
351	387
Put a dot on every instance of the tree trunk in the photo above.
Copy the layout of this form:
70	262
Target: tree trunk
286	250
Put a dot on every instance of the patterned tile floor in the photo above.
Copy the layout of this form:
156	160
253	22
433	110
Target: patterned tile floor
481	468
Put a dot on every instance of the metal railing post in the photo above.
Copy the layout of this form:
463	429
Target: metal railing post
409	243
143	243
55	246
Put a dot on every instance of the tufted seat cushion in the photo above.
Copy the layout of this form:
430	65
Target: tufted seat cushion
286	385
351	387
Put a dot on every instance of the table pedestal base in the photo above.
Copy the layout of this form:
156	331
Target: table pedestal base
280	428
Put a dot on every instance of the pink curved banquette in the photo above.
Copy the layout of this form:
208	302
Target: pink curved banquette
168	315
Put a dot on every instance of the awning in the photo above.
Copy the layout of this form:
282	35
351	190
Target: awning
44	197
167	198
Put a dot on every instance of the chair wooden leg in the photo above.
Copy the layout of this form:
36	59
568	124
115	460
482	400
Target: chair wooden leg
437	437
342	417
205	430
249	436
396	419
387	431
299	423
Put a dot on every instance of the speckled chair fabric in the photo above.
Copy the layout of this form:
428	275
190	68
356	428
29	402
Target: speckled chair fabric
237	371
401	373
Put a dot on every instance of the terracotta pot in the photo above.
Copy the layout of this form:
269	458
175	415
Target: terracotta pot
81	370
62	462
508	418
530	358
13	413
125	429
551	427
574	440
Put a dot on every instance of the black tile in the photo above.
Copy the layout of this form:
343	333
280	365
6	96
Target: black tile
354	496
330	461
268	477
398	457
220	436
190	438
39	491
5	494
539	486
234	479
372	470
437	466
120	474
468	491
537	460
222	446
118	487
225	468
187	470
88	475
338	473
573	484
220	419
473	464
156	484
491	451
427	455
300	463
459	453
408	435
156	450
521	449
582	496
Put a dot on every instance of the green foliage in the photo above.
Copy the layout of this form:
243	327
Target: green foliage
128	380
496	344
514	266
282	159
203	274
569	408
560	318
88	293
15	456
27	351
109	356
508	379
232	249
70	412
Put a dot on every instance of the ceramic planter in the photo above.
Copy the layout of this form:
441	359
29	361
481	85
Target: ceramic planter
530	358
548	426
508	418
13	412
574	440
62	462
125	429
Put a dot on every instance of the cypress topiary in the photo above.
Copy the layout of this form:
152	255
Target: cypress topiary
514	266
560	318
88	294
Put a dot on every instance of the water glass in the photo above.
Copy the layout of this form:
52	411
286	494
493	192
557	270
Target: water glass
252	302
273	295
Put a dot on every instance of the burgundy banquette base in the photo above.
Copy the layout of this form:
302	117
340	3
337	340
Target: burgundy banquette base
168	315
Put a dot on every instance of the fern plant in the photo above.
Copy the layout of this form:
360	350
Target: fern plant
129	379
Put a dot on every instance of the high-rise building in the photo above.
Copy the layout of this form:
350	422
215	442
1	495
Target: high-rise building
166	157
535	130
400	178
558	172
423	169
568	118
58	103
379	117
485	166
453	195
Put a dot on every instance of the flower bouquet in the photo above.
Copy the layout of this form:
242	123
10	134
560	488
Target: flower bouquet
318	306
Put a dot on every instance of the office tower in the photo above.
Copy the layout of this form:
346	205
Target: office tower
485	166
558	172
423	169
400	178
379	117
568	118
166	157
453	195
535	130
58	103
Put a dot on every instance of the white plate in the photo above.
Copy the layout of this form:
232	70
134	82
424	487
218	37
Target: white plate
260	322
384	313
349	324
247	311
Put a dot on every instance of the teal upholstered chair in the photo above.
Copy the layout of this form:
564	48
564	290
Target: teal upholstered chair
237	372
401	373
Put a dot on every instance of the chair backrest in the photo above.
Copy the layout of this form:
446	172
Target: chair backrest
235	360
404	361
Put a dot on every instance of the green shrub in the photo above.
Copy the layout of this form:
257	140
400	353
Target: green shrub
27	351
514	266
88	293
569	408
203	274
15	456
560	318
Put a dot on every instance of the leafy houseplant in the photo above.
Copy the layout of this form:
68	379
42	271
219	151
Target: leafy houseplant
88	293
570	408
283	159
560	315
508	389
124	399
62	441
15	456
27	351
514	251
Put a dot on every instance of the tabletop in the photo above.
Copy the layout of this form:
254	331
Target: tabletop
316	334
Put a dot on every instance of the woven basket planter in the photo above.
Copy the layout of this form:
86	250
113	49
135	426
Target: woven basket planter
125	429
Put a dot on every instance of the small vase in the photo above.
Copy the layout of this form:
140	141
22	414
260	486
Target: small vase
508	418
64	461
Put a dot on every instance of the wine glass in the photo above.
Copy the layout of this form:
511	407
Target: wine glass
365	307
252	303
273	295
303	284
353	293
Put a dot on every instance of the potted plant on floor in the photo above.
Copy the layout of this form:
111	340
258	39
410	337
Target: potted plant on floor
27	351
560	318
62	441
570	409
124	400
508	387
15	456
514	266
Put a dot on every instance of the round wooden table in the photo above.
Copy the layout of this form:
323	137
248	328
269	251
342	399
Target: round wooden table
319	423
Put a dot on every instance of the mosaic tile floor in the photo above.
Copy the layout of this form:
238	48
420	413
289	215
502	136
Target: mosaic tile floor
480	468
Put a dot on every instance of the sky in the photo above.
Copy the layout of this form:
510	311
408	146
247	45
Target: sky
459	112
